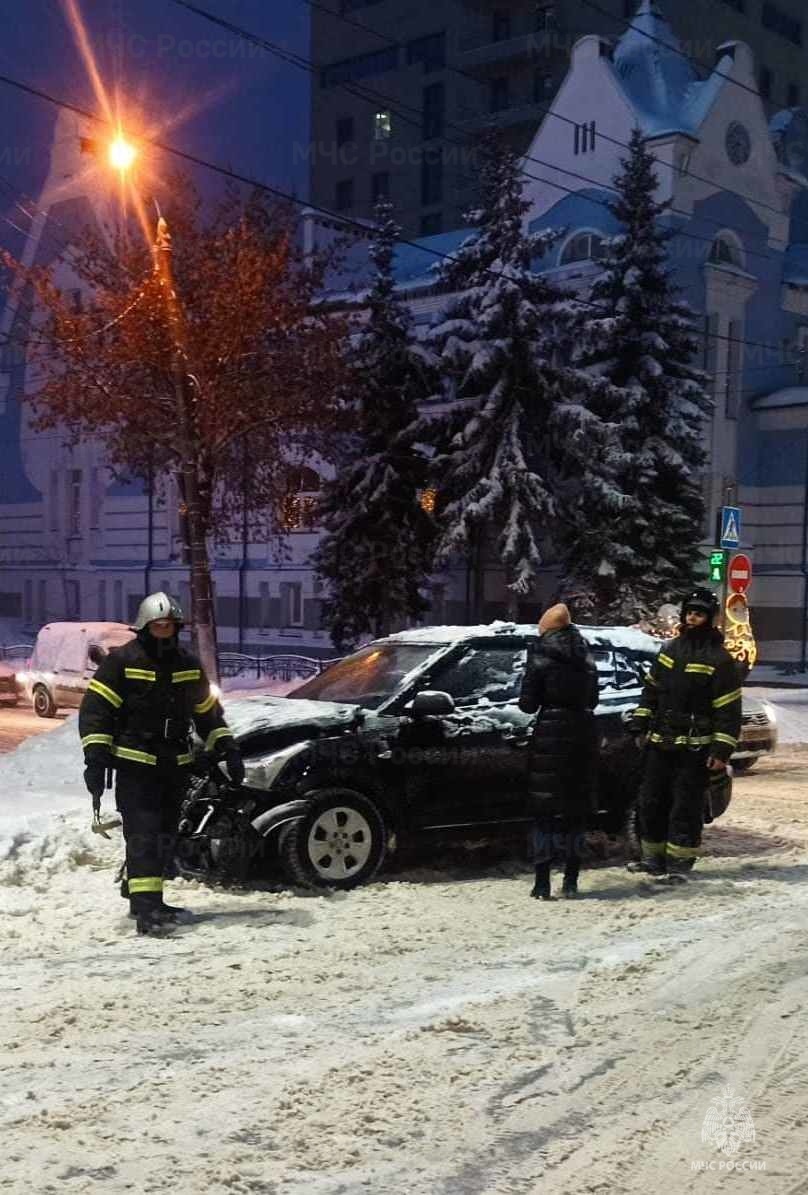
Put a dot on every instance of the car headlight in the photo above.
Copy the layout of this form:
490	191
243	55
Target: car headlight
21	677
770	712
265	770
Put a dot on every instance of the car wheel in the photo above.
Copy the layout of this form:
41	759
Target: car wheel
739	766
44	705
339	842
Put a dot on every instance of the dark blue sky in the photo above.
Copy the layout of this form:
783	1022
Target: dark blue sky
170	60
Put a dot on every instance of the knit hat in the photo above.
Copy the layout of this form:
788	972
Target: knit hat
554	619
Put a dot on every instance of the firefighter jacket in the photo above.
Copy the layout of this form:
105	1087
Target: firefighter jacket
692	697
142	703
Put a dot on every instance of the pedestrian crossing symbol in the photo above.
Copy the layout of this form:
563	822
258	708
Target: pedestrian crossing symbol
730	526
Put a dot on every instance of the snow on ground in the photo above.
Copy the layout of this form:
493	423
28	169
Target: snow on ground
436	1032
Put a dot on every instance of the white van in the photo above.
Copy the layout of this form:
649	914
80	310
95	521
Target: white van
65	656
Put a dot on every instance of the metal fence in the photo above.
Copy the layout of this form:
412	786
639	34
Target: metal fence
285	668
15	651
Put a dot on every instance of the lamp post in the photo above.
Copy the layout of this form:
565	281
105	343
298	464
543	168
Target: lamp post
122	155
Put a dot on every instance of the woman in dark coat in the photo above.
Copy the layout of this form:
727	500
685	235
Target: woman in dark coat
561	682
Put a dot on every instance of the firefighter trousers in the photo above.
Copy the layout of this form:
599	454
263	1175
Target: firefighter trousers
149	800
672	805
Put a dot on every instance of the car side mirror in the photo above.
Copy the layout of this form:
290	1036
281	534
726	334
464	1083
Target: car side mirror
429	702
95	653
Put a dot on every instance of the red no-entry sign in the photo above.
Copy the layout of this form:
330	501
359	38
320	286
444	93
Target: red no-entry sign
739	574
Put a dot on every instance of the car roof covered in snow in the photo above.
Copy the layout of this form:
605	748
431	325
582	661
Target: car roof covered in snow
625	638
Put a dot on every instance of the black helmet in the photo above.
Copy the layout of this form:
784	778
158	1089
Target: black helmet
702	600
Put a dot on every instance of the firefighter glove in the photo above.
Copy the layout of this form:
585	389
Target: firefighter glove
235	766
95	778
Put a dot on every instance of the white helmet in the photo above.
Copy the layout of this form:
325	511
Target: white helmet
158	605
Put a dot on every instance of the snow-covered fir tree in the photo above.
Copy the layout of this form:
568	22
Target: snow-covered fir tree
376	550
515	427
623	563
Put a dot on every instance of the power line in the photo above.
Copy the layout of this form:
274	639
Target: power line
546	110
373	97
278	193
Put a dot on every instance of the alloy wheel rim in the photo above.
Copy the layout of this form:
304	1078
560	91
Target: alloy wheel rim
339	843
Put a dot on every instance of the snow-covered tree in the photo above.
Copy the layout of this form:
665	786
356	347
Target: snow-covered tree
514	427
377	547
623	562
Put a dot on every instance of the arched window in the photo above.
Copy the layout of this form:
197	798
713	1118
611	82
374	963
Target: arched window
300	501
583	246
726	251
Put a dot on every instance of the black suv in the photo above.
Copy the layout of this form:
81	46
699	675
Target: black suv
415	737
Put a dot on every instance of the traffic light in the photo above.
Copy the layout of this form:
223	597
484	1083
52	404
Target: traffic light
718	566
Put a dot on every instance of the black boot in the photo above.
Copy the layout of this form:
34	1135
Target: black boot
569	887
150	922
653	866
541	887
175	914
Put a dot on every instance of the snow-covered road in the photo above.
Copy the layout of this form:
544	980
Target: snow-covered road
436	1032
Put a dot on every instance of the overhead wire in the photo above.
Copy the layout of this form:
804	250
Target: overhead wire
373	97
546	110
285	196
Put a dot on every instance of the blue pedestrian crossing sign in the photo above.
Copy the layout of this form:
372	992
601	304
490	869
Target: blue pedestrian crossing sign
730	526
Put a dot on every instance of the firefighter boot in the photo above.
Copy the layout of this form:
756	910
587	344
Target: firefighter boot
541	887
152	924
569	887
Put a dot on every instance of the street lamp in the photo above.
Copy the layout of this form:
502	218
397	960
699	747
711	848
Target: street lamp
122	153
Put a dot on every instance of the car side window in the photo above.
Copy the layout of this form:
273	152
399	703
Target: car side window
483	675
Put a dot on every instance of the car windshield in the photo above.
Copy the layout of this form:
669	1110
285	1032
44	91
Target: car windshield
368	677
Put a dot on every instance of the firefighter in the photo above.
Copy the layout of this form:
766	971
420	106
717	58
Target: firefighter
136	717
689	720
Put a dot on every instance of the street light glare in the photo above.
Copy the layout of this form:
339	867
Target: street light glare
122	153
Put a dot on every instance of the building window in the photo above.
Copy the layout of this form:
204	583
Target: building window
299	508
351	69
725	251
72	599
42	602
118	601
427	499
382	126
263	605
765	83
772	17
345	130
429	52
583	137
500	25
431	180
345	195
431	224
546	18
379	186
711	350
802	354
542	86
584	246
793	95
291	604
734	368
434	108
102	601
28	602
74	502
499	98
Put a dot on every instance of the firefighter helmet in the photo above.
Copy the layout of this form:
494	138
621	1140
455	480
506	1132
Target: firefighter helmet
702	600
158	605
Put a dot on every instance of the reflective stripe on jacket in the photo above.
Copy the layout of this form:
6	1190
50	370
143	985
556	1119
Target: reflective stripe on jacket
140	708
692	696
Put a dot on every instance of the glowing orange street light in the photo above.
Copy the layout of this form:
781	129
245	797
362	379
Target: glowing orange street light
121	153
